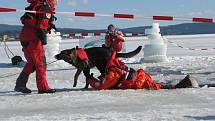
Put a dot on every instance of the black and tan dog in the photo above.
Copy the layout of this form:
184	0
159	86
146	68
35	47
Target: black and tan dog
98	57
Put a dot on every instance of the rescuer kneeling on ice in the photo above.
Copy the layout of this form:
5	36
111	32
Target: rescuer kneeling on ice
33	38
119	76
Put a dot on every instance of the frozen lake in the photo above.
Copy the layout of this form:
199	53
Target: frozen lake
117	105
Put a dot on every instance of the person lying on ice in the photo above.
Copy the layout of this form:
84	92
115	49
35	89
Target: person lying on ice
119	76
33	38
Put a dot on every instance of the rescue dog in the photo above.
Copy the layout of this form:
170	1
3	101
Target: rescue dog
98	57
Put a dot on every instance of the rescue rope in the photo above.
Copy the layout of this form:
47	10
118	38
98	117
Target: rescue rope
49	63
49	70
9	49
13	74
9	75
6	48
188	48
67	69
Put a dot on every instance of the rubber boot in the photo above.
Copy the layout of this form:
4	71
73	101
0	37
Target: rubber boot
187	82
21	83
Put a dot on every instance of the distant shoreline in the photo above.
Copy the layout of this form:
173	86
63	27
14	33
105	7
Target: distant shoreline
178	29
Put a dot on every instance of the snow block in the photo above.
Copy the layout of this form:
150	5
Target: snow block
53	46
155	51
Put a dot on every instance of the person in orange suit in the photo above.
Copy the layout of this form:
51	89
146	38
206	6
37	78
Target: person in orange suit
119	76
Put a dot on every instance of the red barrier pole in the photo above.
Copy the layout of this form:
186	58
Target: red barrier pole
129	16
85	14
7	10
170	18
208	20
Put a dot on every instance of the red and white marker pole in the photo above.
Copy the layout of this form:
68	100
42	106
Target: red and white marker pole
100	34
121	16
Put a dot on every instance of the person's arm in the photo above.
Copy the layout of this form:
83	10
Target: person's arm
120	36
43	19
43	16
28	19
107	41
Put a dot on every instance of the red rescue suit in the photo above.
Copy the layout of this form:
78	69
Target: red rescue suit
141	80
112	76
32	38
114	40
116	76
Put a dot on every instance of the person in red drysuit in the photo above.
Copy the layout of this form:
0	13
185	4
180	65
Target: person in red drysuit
114	38
33	38
119	76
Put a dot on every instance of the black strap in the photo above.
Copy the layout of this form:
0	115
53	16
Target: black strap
126	69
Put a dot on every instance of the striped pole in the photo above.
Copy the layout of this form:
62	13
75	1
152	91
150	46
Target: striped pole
120	16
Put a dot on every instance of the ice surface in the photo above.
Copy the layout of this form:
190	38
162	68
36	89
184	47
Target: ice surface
70	103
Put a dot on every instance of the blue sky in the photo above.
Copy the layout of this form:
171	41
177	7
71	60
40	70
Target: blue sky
183	8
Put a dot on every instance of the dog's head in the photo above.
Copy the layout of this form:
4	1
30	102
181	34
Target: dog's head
65	53
75	56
